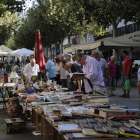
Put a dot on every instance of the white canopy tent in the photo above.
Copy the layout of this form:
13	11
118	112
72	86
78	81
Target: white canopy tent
3	53
22	52
3	48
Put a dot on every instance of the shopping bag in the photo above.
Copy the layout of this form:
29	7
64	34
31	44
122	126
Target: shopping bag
127	85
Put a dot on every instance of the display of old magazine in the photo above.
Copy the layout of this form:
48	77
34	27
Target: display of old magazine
49	110
78	110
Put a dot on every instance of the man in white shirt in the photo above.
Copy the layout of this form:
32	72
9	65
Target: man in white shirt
93	78
31	69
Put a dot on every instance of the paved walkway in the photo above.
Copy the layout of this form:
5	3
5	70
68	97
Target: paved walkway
132	102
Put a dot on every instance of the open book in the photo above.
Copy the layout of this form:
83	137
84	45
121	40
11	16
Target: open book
74	75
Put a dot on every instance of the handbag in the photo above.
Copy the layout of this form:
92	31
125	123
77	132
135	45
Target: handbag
127	85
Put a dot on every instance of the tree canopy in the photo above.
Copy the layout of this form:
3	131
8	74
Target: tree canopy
55	22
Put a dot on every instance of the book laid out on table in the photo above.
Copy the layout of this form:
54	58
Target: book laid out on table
126	130
75	103
125	117
96	97
101	124
106	113
54	118
84	125
107	128
88	112
80	136
69	128
137	126
101	120
91	120
99	129
59	122
127	124
79	120
114	131
115	124
136	131
128	134
92	132
92	125
133	121
104	100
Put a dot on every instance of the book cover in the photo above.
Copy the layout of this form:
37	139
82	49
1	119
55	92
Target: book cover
84	125
133	121
107	128
126	130
115	124
137	126
79	120
92	120
92	132
59	122
127	124
101	120
92	125
69	128
79	136
101	124
128	134
114	131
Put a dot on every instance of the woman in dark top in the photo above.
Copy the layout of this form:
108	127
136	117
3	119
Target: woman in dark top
72	68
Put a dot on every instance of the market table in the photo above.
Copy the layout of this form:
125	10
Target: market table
47	129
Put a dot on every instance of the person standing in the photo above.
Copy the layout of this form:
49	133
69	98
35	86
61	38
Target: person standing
103	64
63	72
50	68
57	68
93	77
112	75
127	71
138	85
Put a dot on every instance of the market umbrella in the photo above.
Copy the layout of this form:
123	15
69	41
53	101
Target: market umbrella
22	52
39	55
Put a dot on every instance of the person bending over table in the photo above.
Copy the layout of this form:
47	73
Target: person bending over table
72	68
31	69
93	77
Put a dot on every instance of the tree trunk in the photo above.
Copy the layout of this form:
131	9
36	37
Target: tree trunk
115	24
61	46
46	50
114	31
69	40
51	52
